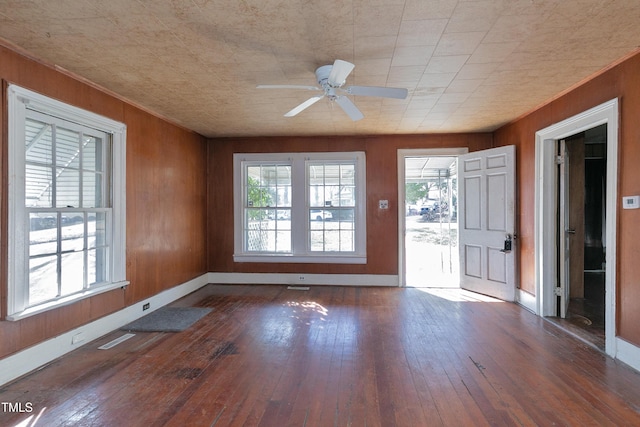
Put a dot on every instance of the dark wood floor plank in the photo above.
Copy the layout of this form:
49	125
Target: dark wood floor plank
343	356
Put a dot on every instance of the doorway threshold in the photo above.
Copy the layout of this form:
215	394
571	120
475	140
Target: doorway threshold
574	327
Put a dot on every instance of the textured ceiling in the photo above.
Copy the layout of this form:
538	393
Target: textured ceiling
468	65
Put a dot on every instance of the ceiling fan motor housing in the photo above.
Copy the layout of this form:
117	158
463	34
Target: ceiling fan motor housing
322	76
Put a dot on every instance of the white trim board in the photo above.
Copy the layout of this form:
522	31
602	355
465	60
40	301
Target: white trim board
628	353
25	361
526	300
304	279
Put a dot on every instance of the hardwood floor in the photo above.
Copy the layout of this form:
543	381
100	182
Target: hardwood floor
335	356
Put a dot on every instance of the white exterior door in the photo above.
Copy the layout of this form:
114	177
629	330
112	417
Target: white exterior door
486	204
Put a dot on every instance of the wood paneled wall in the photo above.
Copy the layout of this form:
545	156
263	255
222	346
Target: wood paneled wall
620	81
382	183
166	199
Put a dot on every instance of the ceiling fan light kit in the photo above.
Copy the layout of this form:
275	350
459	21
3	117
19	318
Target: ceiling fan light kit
330	79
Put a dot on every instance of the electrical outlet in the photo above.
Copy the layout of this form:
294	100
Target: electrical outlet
77	338
146	306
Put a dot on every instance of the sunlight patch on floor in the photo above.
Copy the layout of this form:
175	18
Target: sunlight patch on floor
458	295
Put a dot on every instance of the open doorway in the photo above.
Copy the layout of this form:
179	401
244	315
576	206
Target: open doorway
548	234
428	221
582	183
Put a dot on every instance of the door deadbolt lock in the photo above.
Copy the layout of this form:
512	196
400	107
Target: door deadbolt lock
508	243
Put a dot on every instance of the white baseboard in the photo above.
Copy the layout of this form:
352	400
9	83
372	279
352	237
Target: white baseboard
526	300
304	279
27	360
628	353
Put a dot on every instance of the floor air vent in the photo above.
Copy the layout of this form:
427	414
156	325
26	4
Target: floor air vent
115	342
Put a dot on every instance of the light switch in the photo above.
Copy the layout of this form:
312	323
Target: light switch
631	202
383	204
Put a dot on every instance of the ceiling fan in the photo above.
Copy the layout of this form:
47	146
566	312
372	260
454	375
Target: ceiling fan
331	79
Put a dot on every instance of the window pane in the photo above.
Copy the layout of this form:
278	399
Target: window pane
38	186
283	241
270	233
342	215
72	235
38	142
332	240
67	188
316	196
325	236
347	241
284	219
268	186
257	195
67	148
43	234
72	272
97	266
43	279
97	230
283	196
332	187
317	240
92	153
347	196
332	195
92	190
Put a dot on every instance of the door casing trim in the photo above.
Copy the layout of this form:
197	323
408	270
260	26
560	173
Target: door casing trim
545	193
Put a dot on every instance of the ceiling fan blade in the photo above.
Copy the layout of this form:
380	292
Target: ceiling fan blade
306	104
339	72
349	108
383	92
288	87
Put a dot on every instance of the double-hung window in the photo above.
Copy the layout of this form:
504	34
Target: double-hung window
300	207
66	203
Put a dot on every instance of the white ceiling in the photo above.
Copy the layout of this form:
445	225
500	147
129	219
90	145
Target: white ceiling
468	65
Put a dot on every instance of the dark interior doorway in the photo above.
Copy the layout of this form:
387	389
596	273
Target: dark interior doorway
586	312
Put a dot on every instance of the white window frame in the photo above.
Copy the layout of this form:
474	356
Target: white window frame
19	100
300	244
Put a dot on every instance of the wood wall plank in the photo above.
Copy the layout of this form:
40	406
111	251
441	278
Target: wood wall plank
166	196
619	82
382	178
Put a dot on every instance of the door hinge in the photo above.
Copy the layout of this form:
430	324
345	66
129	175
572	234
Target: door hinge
558	291
559	160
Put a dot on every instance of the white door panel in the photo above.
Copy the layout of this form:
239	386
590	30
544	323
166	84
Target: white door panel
486	197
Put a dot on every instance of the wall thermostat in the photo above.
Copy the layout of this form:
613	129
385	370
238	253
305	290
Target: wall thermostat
631	202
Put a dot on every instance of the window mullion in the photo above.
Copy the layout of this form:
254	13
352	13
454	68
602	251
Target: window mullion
59	252
54	168
80	170
85	251
299	211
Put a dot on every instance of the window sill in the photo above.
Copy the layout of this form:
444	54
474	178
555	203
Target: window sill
41	308
310	259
